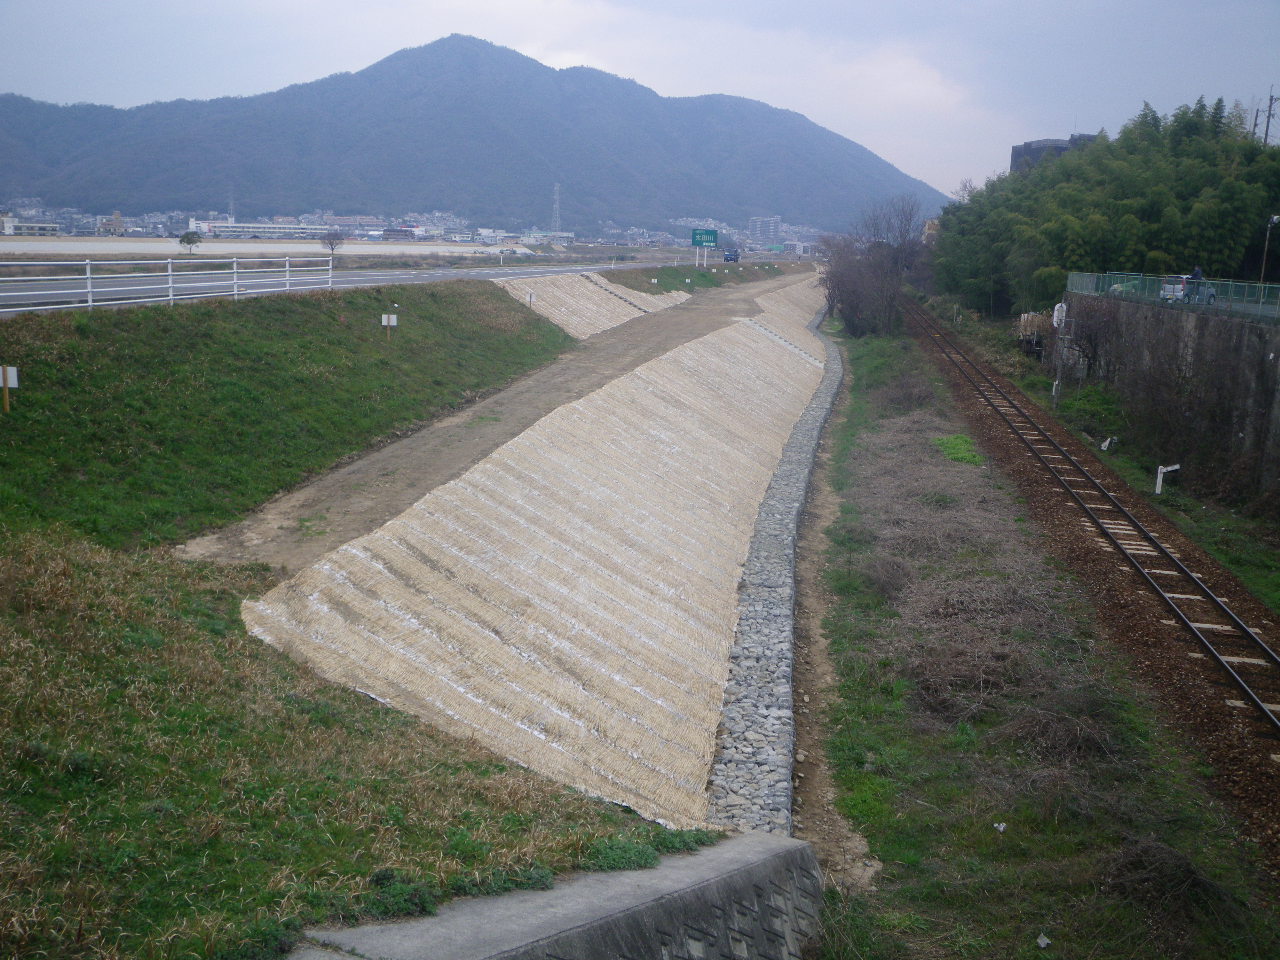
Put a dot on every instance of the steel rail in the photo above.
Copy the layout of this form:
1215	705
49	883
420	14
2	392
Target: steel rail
984	389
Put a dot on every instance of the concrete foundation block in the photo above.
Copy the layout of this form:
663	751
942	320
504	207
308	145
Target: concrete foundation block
752	897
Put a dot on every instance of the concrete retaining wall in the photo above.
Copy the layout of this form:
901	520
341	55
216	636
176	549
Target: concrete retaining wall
1202	389
755	897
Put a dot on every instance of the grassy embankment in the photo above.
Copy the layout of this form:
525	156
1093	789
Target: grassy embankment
995	756
690	278
1244	544
170	787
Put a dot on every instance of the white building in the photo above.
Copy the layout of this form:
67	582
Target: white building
13	227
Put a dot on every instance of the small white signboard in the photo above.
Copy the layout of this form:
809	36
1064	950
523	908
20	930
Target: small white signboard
10	375
388	319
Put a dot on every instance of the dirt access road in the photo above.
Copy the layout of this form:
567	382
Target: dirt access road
296	528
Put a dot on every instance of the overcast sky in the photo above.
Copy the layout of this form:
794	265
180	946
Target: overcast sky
939	88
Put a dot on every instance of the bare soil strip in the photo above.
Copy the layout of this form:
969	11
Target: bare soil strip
299	526
843	853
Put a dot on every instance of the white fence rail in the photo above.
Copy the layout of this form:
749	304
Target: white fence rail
100	283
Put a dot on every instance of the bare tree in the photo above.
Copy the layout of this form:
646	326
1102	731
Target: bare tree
865	270
333	240
965	191
897	224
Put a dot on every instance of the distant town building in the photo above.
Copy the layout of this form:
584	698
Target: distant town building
765	230
1024	156
112	226
261	231
547	236
13	227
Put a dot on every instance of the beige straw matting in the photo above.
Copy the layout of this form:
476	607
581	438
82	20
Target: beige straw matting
585	303
570	602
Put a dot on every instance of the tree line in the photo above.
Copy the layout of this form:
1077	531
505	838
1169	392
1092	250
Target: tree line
1165	195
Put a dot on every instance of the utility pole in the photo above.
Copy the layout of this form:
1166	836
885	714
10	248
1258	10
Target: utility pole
555	209
1271	106
1262	274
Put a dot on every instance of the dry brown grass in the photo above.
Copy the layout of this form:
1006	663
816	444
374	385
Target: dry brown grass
1148	871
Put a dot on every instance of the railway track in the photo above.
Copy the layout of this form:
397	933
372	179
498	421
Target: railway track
1247	662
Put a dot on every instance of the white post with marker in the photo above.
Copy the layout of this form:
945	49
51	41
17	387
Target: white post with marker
8	381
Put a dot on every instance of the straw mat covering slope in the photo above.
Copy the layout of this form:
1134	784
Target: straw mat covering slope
583	304
570	602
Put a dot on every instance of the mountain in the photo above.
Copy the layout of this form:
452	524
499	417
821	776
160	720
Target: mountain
459	124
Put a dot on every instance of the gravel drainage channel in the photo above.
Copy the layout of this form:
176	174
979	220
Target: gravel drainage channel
751	778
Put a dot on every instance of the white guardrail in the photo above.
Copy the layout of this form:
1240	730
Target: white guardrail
98	283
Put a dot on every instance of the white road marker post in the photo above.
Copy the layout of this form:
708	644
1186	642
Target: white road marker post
1160	472
9	380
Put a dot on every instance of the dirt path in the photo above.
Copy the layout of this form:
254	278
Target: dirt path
298	527
842	852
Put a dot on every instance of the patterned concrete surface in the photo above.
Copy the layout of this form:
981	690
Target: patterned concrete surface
585	304
571	600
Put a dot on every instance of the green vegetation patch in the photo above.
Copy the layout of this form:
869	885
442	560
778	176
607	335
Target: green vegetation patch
171	787
997	758
960	448
690	278
148	425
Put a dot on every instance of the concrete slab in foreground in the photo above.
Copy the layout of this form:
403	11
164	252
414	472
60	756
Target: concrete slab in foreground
752	897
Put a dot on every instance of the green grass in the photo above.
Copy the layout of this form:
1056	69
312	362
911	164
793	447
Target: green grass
1111	845
1247	546
690	278
149	425
169	786
960	448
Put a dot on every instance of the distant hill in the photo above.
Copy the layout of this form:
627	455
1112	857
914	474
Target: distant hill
459	124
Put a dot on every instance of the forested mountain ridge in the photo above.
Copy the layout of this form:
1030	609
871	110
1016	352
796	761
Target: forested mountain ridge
1165	195
461	125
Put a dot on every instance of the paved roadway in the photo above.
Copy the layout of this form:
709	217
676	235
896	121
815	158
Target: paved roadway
32	293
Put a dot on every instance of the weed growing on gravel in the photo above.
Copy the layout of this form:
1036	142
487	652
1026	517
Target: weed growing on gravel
1001	766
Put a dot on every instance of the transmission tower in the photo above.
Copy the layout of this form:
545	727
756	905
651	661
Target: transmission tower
555	209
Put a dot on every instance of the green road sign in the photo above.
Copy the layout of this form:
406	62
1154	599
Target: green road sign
705	238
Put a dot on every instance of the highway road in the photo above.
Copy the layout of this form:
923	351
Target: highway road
72	291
